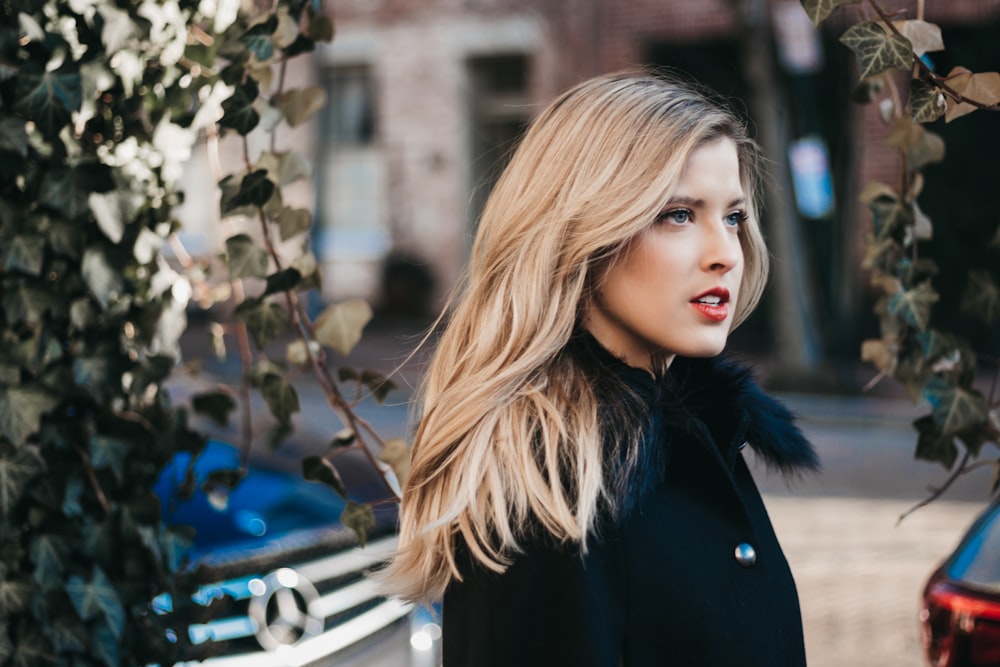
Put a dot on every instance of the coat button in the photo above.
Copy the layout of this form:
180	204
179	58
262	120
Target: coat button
746	555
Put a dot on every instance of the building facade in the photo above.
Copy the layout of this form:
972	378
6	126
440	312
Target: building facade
428	96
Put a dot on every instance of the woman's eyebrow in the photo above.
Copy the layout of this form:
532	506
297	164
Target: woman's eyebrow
698	203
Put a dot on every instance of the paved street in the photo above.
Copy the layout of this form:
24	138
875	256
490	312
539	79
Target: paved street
858	570
860	575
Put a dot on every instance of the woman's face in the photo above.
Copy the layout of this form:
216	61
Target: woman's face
674	289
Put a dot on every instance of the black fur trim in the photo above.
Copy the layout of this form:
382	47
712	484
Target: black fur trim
672	406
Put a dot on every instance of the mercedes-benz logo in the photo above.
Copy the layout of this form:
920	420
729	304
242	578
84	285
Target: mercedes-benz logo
280	609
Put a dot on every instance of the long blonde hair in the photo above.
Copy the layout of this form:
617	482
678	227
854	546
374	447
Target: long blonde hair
509	434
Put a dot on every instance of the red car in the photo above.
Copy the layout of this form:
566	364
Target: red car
960	615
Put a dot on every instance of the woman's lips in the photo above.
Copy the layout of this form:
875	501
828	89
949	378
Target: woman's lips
713	304
715	312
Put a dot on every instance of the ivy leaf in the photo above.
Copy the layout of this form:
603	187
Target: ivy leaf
360	518
33	648
15	595
67	190
880	254
25	253
344	438
914	305
924	37
932	445
21	411
889	217
318	469
258	39
921	146
297	353
71	506
112	211
981	297
109	452
66	239
244	259
280	397
219	484
286	31
300	104
105	282
48	553
105	641
396	453
340	325
879	354
216	405
926	102
265	320
302	44
276	434
321	29
97	597
982	87
255	190
292	166
13	136
819	10
48	98
282	281
346	374
175	544
238	110
68	635
955	409
377	384
292	221
875	50
17	468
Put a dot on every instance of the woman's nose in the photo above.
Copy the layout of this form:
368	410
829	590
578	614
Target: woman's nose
722	251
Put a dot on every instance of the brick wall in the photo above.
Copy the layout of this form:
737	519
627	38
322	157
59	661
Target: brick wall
418	49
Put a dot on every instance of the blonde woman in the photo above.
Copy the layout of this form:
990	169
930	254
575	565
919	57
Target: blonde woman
578	495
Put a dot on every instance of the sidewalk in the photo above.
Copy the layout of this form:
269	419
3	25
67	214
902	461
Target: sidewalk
860	575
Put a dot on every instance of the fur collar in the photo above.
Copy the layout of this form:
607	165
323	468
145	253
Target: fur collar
692	396
726	397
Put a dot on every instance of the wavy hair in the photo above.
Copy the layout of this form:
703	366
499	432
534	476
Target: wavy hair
510	435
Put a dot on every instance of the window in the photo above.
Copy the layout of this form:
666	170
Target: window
349	116
498	94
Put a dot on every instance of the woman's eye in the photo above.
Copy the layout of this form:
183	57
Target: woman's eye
736	218
678	216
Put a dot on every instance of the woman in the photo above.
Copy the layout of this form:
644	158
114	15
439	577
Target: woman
577	494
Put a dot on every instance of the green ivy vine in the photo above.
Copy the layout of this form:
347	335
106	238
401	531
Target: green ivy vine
931	358
100	104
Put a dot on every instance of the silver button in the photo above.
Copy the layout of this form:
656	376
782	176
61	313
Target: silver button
746	555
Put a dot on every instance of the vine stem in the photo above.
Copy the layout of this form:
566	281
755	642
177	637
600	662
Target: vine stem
300	322
246	366
936	493
938	80
101	498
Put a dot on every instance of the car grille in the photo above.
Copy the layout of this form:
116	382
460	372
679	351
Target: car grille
296	615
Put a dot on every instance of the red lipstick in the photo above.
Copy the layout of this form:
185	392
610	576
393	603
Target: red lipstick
713	304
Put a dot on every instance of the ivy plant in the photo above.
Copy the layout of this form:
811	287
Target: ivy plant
100	104
930	356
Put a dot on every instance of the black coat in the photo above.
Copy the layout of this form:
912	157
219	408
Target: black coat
689	573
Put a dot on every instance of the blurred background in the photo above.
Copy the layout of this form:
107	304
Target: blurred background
426	100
